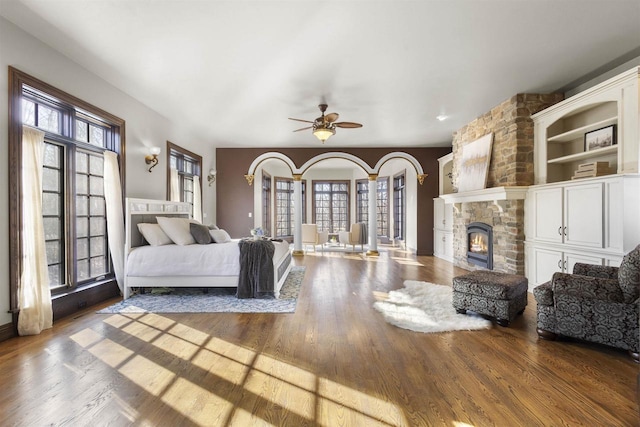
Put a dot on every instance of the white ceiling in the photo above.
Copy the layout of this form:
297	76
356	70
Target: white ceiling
235	70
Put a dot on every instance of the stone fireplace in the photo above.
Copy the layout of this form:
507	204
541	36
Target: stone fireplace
501	204
480	244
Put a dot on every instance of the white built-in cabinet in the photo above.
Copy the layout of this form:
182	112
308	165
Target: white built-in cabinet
443	212
567	214
443	229
591	220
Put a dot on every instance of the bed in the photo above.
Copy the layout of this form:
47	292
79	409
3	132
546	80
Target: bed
194	265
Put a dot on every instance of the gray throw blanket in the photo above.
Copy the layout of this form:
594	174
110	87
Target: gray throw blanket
256	269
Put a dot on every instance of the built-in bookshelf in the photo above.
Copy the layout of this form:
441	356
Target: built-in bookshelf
560	130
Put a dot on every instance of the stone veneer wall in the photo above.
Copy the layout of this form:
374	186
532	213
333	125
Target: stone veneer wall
508	234
511	165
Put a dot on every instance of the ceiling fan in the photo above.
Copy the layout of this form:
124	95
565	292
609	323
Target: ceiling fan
325	126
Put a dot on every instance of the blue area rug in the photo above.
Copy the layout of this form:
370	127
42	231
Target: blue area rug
216	300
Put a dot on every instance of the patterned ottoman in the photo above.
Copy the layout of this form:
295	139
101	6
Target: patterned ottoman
499	295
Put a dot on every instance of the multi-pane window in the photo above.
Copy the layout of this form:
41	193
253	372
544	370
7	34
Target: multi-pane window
73	203
91	219
90	132
188	165
53	213
304	200
331	205
399	210
266	203
284	207
362	200
382	204
40	112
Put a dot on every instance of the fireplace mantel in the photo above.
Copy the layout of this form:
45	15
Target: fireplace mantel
496	195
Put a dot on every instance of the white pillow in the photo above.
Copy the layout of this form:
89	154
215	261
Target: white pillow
220	236
177	229
153	234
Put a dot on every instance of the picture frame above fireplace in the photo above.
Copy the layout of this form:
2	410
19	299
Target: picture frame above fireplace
474	167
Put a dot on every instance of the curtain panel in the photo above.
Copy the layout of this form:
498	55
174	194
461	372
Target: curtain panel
34	294
197	199
115	217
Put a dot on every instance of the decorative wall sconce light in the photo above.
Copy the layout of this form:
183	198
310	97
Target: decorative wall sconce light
152	158
212	176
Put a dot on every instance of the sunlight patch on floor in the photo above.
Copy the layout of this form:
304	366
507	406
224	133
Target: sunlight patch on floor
270	385
406	261
362	408
176	346
242	417
199	405
280	392
232	351
380	296
152	377
142	331
285	371
111	353
86	337
224	367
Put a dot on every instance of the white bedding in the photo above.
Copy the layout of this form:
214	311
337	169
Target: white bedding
218	259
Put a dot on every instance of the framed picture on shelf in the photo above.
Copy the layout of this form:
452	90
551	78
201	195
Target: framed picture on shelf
599	138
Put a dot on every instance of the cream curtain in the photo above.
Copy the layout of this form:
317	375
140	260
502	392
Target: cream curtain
175	185
197	199
34	295
115	218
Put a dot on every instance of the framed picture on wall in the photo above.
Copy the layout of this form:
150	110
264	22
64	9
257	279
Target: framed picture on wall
474	167
599	138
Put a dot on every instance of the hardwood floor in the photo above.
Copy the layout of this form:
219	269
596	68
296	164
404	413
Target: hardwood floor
334	362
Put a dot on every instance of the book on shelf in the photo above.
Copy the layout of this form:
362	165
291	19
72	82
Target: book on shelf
594	166
591	173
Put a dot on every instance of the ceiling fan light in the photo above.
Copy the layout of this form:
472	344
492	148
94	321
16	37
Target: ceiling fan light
323	133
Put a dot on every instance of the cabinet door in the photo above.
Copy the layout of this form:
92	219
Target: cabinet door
448	245
583	215
447	220
438	243
570	260
547	205
614	214
545	263
438	213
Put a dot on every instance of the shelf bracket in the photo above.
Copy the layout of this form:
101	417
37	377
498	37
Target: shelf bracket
457	207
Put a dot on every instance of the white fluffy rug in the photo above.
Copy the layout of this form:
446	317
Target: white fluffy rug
426	307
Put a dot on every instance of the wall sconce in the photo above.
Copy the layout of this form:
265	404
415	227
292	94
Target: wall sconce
152	159
211	177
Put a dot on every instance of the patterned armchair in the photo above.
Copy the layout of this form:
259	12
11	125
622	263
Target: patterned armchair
595	303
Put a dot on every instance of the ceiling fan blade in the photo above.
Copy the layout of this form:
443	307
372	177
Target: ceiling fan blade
298	130
300	120
331	117
347	125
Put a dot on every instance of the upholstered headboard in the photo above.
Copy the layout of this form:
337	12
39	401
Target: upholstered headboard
145	211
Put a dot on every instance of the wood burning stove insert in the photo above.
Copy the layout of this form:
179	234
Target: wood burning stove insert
480	244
